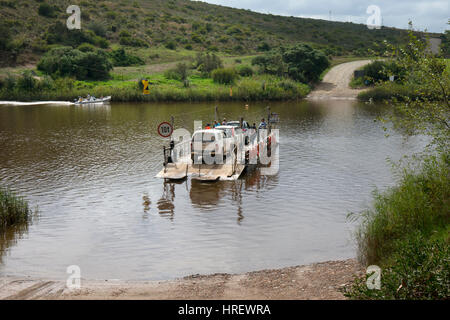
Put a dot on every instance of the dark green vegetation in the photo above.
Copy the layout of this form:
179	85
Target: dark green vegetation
68	73
13	209
421	272
406	231
68	62
301	62
35	26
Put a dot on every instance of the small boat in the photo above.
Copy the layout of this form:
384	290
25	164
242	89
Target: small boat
93	100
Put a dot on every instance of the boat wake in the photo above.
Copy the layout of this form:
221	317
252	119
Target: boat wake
16	103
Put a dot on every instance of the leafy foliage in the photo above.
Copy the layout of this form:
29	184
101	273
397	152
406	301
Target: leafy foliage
421	272
120	58
224	75
300	62
65	61
207	62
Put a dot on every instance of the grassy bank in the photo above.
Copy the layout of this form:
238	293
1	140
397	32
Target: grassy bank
13	209
406	233
260	87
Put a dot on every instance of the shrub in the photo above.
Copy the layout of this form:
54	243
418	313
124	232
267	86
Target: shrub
59	34
245	71
86	47
180	72
171	45
264	47
120	58
379	71
420	270
98	29
418	204
65	61
300	62
46	10
10	82
208	62
26	81
13	209
224	75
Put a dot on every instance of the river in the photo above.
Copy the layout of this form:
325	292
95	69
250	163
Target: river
91	173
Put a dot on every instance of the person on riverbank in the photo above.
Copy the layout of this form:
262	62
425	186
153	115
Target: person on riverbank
224	122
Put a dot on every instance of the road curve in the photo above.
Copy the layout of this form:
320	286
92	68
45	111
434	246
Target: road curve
335	84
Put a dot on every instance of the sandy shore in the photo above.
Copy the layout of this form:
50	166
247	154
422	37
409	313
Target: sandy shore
316	281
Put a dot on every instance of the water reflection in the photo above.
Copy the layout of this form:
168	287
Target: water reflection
165	204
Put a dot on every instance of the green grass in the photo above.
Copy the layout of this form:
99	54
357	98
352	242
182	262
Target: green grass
407	233
163	89
13	209
419	203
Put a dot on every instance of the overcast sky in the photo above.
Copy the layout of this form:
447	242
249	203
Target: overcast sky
431	15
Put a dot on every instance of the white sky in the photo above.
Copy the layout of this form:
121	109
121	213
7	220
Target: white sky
432	15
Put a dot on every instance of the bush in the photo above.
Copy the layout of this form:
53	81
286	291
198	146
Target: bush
379	71
300	62
120	58
46	10
420	270
418	204
264	47
171	45
98	29
13	209
26	81
224	75
245	71
86	47
208	62
65	61
59	34
180	72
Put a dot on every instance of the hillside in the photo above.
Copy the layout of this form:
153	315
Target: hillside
29	27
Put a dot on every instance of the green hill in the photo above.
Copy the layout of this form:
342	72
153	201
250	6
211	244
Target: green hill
28	28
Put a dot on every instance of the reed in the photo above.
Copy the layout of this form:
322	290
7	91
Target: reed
13	209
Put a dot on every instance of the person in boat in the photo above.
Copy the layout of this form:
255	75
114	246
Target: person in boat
263	124
224	122
208	126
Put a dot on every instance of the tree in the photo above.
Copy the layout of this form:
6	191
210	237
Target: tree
305	63
300	62
429	113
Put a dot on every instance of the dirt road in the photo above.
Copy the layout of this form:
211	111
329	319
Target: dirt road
315	281
335	84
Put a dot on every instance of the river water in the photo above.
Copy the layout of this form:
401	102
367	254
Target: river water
91	173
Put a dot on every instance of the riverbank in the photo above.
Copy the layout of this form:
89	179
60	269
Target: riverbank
124	86
256	88
322	281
